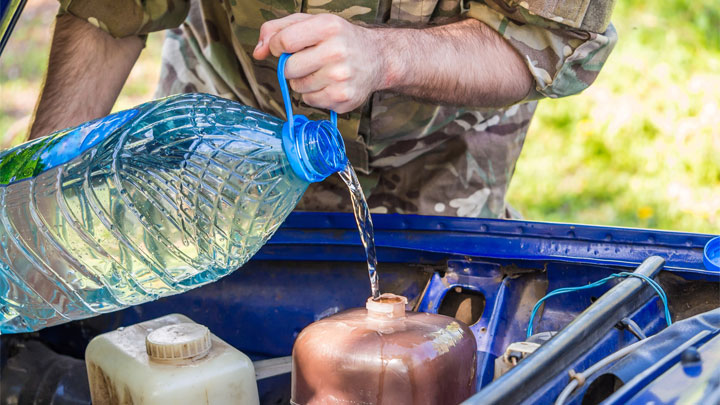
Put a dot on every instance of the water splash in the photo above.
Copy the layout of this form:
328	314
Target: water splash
364	224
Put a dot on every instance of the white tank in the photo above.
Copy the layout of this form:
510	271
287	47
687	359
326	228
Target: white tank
168	360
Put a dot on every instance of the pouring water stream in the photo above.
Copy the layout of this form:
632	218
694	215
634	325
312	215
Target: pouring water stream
360	207
364	224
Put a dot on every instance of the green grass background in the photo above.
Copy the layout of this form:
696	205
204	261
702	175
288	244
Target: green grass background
640	148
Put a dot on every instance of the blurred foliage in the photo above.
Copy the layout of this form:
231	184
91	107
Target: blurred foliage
640	148
24	61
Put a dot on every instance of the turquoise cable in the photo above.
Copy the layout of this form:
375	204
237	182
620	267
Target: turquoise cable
658	289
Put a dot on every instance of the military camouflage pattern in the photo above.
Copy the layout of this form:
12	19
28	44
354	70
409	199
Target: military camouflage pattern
411	157
562	66
587	15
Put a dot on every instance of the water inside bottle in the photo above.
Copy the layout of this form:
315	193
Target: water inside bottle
182	196
94	220
364	224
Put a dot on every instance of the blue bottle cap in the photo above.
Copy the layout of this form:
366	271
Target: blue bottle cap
299	133
711	256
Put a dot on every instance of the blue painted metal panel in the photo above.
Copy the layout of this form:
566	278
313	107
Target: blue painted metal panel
486	279
653	370
500	239
259	309
695	380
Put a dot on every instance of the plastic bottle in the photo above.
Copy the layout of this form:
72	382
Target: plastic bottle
168	360
146	203
382	354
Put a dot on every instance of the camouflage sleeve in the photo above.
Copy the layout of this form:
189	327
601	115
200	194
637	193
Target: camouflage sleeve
562	60
123	18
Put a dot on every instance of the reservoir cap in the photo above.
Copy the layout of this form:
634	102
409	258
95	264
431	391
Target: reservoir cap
386	306
181	341
711	256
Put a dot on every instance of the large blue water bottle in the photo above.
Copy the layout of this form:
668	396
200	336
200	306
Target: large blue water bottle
146	203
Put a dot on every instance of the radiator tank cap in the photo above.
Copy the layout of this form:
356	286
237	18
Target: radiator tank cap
182	341
387	305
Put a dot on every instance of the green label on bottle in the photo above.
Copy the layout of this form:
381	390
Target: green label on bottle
32	158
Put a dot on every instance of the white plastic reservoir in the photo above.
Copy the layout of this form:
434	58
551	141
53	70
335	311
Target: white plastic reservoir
168	360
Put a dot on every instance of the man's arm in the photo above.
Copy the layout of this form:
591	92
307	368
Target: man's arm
465	63
86	71
337	65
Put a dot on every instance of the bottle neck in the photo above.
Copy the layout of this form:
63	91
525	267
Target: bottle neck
315	149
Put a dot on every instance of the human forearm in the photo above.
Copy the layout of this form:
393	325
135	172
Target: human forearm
337	65
464	63
86	71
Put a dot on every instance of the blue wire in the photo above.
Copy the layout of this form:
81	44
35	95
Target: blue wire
658	289
655	287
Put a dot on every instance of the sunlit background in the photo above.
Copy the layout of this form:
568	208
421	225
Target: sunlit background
640	148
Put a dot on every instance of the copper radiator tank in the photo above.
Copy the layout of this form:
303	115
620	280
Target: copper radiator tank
382	354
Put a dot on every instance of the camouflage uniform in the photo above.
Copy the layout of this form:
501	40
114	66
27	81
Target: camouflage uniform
412	157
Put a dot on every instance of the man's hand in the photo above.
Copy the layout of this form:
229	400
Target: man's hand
336	65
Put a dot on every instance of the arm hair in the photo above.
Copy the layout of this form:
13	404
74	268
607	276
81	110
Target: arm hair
465	63
86	71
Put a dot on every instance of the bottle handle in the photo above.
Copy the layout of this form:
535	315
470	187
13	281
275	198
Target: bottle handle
300	135
286	93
